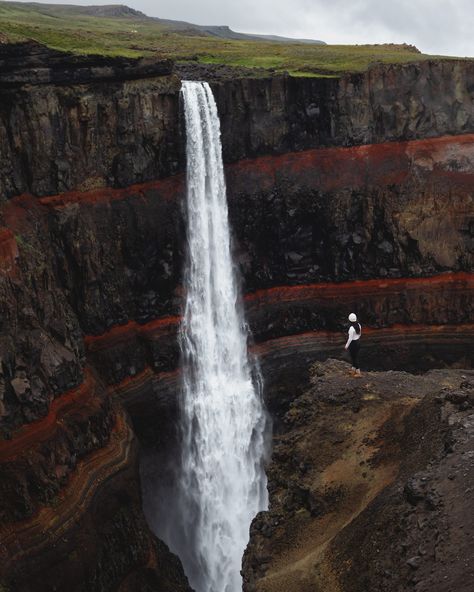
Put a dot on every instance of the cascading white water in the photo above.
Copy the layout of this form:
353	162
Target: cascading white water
222	484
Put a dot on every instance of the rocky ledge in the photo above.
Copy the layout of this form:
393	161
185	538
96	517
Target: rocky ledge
371	486
33	64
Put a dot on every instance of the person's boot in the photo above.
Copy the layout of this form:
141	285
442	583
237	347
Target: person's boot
357	373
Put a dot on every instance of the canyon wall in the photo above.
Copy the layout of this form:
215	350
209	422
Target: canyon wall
70	123
344	194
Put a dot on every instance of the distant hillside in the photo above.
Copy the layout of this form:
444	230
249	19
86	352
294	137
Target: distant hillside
118	30
122	11
225	32
108	10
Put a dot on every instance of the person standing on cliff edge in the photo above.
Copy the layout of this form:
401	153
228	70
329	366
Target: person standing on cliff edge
353	343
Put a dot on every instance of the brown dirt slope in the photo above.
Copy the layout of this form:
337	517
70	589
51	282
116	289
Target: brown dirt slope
371	487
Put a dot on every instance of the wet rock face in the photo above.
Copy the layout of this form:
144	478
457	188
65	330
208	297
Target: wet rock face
119	260
301	230
357	463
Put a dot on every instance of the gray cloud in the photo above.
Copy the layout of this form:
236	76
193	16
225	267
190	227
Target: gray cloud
434	26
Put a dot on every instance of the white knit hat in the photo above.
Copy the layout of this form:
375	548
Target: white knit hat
352	317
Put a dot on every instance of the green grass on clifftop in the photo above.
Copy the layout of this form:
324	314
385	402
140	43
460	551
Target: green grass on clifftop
72	29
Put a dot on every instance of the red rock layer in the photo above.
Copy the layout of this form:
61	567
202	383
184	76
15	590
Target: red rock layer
8	251
360	289
132	330
328	169
37	432
316	344
41	457
447	286
28	537
398	335
168	189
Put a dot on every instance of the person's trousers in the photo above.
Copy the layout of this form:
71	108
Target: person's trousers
354	347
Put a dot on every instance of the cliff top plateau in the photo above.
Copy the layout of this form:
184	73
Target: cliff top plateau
118	30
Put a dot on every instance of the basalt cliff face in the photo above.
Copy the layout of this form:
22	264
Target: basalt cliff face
347	194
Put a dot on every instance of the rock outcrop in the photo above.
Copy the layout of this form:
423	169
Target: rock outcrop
369	485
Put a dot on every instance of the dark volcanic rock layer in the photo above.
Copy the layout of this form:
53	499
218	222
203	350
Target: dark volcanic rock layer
70	123
353	193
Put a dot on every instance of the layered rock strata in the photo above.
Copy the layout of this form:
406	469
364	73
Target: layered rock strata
91	253
70	515
87	262
73	123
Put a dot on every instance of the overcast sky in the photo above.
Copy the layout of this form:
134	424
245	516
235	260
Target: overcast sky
434	26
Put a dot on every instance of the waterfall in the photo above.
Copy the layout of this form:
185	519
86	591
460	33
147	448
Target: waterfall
222	483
